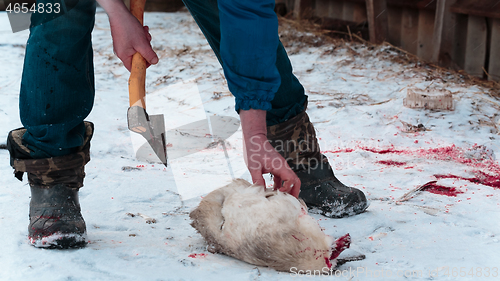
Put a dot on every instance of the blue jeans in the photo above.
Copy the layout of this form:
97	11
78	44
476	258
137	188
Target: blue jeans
229	20
57	87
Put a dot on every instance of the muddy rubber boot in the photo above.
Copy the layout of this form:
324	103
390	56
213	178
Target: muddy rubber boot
295	139
55	216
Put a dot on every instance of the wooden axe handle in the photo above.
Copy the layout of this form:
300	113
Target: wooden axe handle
137	80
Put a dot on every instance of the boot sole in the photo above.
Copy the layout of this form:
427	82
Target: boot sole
342	213
59	241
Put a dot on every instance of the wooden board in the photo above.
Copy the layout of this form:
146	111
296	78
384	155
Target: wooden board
348	11
438	30
302	8
483	8
409	30
377	20
494	63
359	13
460	41
335	9
447	36
475	49
322	8
412	4
394	21
444	31
425	32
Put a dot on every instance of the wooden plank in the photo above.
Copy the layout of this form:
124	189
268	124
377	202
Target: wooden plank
425	30
460	40
289	6
348	11
412	4
280	7
438	29
394	21
444	32
494	63
322	8
475	49
377	20
359	13
409	30
335	10
302	8
483	8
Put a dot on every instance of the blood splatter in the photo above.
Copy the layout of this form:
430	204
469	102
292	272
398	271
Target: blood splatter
382	151
343	150
442	190
481	178
202	255
447	153
340	245
328	263
391	163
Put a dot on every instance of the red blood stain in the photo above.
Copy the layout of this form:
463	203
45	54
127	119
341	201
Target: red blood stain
442	190
343	150
391	163
300	240
202	255
481	178
328	263
341	244
447	153
382	151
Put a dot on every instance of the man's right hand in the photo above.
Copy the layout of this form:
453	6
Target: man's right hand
261	158
129	36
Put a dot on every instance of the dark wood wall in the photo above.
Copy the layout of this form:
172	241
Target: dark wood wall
462	34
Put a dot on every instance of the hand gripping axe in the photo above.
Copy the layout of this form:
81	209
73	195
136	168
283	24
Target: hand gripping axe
151	127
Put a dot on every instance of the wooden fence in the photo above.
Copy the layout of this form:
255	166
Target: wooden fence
463	34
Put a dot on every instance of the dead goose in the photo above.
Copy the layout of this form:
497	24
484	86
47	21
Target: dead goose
265	228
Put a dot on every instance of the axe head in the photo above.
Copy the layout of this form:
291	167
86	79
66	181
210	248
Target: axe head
151	127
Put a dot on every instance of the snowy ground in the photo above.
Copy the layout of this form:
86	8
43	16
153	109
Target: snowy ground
449	231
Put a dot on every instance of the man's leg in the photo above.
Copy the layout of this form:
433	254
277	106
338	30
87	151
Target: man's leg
290	98
57	93
57	86
289	128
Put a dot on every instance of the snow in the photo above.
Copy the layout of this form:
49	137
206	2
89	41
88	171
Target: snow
356	102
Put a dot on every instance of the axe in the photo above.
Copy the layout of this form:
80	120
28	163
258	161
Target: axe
151	127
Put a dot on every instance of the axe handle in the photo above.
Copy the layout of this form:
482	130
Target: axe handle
137	80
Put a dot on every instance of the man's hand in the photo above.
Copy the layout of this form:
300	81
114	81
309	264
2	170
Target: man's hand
261	157
129	36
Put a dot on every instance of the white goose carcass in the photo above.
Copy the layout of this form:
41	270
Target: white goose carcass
265	228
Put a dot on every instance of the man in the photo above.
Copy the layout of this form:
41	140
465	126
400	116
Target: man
57	93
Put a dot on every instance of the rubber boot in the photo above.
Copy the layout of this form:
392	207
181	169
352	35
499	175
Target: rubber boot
295	139
55	216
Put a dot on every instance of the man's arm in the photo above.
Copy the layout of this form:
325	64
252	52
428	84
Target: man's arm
248	47
261	157
129	36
